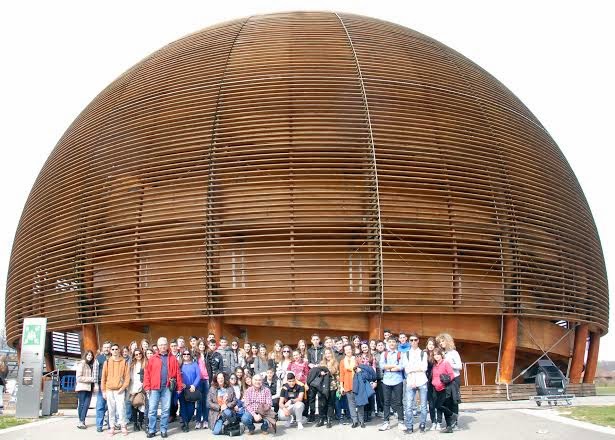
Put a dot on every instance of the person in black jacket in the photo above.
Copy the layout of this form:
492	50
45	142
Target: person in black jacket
314	354
214	362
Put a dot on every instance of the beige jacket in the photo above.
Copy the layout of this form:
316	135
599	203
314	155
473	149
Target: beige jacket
84	377
115	375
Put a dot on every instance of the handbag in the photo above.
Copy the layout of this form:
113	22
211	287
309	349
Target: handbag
192	396
172	384
137	399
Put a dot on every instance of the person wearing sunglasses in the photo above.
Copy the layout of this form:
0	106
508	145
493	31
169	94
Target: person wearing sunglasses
284	364
115	379
191	378
416	382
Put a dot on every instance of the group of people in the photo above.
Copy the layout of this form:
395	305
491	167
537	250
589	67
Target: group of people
220	385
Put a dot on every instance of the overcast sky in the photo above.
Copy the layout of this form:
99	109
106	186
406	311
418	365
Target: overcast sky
557	57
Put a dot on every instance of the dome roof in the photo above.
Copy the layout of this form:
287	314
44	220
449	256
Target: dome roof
292	162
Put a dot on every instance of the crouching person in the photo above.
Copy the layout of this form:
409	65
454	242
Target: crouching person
291	402
257	401
221	402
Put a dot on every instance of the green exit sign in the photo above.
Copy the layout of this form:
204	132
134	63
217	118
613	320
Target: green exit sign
33	335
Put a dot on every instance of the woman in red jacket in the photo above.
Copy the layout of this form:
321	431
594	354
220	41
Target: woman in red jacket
443	402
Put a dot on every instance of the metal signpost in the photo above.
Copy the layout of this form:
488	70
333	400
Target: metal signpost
31	367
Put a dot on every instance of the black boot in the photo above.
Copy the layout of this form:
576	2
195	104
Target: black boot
329	425
137	427
321	422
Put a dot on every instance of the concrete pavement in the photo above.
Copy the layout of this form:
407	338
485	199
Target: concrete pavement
499	420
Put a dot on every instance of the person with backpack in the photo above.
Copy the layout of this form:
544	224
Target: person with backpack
416	382
101	403
392	364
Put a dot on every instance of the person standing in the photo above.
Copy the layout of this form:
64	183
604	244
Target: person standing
447	344
392	364
314	355
416	382
444	403
162	377
348	367
137	369
101	403
114	381
380	349
191	377
174	351
327	401
230	362
85	382
201	408
431	394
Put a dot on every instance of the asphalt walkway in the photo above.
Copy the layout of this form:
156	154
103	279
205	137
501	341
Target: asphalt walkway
498	420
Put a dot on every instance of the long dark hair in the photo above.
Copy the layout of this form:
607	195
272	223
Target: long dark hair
85	357
215	381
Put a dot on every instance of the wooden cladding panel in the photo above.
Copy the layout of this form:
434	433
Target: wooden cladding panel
305	162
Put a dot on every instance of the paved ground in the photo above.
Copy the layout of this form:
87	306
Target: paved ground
500	420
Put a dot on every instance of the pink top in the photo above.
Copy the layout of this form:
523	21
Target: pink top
203	368
442	368
300	370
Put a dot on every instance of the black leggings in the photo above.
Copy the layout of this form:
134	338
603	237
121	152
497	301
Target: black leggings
431	400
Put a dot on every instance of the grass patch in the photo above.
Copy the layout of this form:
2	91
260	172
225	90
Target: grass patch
598	415
9	421
605	391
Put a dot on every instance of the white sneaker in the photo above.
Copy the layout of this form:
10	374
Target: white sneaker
402	427
299	425
384	426
435	426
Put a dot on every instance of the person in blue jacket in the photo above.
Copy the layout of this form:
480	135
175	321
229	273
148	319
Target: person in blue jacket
191	377
364	375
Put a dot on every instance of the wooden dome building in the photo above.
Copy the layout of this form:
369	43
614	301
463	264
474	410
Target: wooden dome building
282	174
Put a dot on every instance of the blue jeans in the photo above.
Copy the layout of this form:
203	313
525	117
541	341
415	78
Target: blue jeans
202	412
411	397
219	426
162	396
186	409
248	421
128	409
101	409
83	398
342	404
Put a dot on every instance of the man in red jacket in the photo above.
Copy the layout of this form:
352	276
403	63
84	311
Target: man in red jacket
162	377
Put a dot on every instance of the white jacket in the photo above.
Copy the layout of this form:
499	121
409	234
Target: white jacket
416	368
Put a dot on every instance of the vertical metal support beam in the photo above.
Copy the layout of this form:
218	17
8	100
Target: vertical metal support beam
578	353
509	348
90	338
592	357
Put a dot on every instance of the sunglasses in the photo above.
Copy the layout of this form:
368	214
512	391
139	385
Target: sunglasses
114	349
285	351
413	340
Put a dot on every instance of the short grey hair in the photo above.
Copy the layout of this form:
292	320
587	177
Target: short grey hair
162	340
